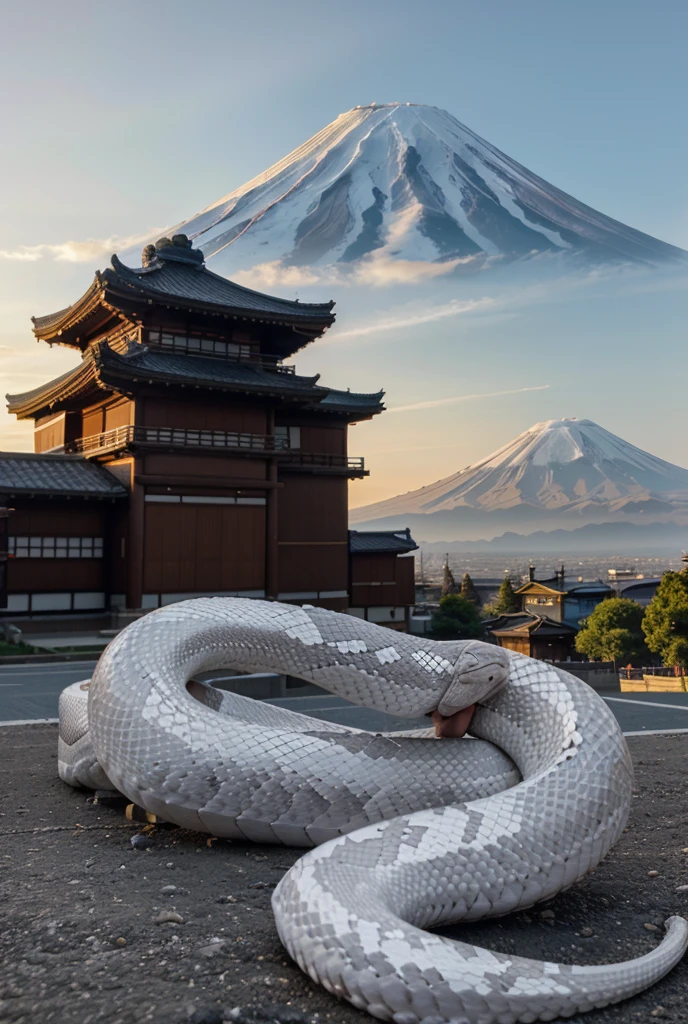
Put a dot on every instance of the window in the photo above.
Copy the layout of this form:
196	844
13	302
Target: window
200	346
55	547
287	437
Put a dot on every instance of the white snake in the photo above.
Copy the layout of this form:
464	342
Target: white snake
420	832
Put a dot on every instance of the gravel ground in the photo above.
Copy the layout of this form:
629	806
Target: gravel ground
92	929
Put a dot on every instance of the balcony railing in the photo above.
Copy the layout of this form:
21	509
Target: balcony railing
174	437
217	440
353	463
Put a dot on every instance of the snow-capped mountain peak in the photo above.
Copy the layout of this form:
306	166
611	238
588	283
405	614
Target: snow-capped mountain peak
567	465
405	181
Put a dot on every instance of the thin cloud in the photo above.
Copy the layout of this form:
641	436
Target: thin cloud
422	316
75	252
434	403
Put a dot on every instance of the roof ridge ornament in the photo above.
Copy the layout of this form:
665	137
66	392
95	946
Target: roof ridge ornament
178	249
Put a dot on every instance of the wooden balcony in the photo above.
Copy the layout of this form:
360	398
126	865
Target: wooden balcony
217	441
324	464
174	438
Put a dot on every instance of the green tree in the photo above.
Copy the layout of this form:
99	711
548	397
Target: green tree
666	619
448	582
507	600
613	632
469	592
456	619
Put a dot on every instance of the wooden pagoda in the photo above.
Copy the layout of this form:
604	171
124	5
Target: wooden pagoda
182	455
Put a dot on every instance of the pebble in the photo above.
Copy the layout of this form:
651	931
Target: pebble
226	899
214	946
586	932
140	842
651	927
547	915
168	917
168	890
685	849
682	888
206	1015
121	941
653	874
267	1015
658	1011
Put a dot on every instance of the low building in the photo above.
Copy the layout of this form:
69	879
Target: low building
382	575
559	601
536	636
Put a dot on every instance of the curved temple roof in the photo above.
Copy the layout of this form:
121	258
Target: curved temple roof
102	367
178	278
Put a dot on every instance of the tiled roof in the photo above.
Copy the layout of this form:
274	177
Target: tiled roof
60	475
61	385
378	542
104	367
527	623
196	283
143	363
351	401
179	277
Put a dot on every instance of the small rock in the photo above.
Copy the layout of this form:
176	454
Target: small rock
658	1011
168	917
168	890
121	941
547	915
682	888
226	899
206	1015
259	885
214	946
653	874
141	842
586	932
651	927
685	849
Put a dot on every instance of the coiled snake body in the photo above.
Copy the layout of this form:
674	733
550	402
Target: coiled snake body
414	832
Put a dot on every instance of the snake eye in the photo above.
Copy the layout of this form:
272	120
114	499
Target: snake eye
490	679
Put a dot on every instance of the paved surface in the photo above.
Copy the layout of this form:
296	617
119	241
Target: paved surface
32	691
79	942
29	692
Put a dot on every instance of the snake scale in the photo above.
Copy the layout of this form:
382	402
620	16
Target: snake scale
409	832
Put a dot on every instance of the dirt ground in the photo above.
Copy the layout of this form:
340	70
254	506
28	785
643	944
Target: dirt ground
79	941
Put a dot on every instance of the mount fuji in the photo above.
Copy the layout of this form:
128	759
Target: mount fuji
406	182
558	474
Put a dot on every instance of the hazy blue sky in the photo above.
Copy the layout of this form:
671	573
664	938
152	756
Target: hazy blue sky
118	118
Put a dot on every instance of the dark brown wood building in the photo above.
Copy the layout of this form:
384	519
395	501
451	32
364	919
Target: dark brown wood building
536	636
182	456
382	575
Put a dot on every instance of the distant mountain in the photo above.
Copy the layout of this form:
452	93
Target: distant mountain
405	182
595	539
559	474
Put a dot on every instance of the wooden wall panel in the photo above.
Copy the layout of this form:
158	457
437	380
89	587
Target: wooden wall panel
196	464
93	420
328	440
381	580
206	413
119	414
49	432
191	548
313	508
36	574
406	580
304	568
52	520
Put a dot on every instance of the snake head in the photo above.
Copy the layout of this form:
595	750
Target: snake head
480	671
